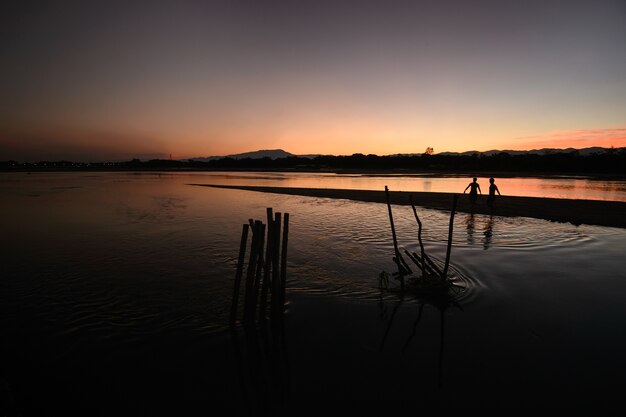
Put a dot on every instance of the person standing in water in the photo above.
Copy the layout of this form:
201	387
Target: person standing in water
493	188
474	190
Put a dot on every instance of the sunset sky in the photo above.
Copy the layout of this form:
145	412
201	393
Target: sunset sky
113	80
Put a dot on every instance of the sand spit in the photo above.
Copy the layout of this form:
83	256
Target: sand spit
591	212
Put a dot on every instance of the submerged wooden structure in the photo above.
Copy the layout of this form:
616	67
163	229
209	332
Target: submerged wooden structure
260	345
430	279
266	271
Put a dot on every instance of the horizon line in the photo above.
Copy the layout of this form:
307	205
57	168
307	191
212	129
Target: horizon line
167	157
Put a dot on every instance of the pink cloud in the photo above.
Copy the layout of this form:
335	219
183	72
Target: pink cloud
579	138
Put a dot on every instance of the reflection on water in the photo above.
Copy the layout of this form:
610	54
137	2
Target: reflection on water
573	188
564	187
116	263
120	250
469	222
487	230
440	310
488	233
262	366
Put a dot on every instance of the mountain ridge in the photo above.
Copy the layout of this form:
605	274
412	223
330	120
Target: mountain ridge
280	153
259	154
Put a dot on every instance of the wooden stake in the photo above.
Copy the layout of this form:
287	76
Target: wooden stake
402	266
238	273
254	249
283	261
265	287
419	234
259	272
444	274
275	267
431	267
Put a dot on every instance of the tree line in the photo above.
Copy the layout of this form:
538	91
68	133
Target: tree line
612	161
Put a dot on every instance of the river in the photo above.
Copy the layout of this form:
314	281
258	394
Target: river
113	281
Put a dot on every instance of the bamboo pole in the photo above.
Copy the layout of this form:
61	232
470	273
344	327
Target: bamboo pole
415	259
238	273
283	261
402	266
393	227
405	265
433	265
259	272
420	261
275	266
251	272
265	287
444	274
419	233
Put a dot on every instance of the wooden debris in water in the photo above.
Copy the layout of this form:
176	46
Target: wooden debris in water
403	267
266	269
242	255
444	274
433	279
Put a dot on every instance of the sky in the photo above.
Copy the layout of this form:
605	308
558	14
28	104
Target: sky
105	80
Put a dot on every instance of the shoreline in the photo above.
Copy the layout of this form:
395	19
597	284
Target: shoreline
577	212
593	176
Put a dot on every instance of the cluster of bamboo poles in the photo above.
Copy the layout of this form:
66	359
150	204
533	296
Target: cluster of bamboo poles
266	270
421	260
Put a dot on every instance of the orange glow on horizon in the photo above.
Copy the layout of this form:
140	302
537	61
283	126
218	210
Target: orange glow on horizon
334	138
577	139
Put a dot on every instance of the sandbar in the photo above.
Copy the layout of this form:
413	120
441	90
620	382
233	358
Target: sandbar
577	212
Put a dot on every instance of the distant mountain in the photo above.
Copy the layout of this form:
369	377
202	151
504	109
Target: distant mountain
264	153
279	153
543	151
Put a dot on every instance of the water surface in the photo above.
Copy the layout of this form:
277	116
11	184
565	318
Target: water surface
554	187
131	275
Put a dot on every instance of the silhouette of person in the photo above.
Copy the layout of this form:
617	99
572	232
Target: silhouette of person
474	190
493	188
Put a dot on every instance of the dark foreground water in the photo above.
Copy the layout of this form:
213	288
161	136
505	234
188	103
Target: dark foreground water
115	290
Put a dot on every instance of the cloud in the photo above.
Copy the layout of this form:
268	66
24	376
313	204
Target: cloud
580	138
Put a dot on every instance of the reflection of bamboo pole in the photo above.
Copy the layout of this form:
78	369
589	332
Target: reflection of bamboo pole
441	339
283	261
239	272
419	233
393	314
444	274
417	320
234	337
